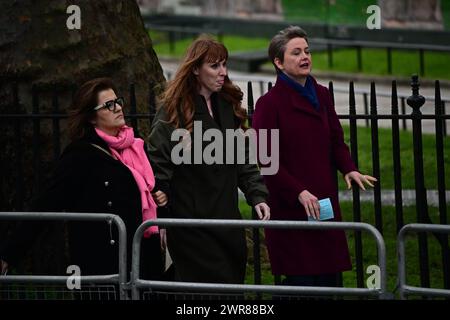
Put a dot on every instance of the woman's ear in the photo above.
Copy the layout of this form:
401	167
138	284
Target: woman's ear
278	63
195	71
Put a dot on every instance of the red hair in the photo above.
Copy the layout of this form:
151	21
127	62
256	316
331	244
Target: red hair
178	98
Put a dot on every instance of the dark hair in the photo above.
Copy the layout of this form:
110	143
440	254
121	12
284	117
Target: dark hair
84	101
277	46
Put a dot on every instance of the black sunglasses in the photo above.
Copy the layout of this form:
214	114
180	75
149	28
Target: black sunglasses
111	104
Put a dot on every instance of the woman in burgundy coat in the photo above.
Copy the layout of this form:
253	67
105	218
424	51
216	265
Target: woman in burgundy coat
311	146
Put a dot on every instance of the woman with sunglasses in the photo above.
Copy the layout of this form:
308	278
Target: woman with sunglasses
104	169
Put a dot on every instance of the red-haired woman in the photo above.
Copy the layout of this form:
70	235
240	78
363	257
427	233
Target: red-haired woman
201	92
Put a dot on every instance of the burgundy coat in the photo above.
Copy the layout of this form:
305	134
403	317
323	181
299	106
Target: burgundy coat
311	147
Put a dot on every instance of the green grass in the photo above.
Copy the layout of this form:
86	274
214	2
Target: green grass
348	12
374	61
369	247
406	157
389	234
367	211
233	44
402	65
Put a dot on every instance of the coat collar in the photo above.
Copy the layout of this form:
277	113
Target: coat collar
222	112
308	90
91	136
299	102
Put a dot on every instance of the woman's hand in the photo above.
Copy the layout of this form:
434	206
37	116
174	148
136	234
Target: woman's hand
160	198
311	204
3	267
359	178
263	211
163	237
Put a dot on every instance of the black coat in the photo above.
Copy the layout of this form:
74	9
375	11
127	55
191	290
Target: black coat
88	179
205	191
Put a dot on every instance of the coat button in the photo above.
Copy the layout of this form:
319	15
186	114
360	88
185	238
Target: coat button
106	183
109	204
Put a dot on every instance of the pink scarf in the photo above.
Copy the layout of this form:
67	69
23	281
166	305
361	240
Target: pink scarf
130	151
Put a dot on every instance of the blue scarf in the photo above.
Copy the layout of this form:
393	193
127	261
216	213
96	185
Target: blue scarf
308	91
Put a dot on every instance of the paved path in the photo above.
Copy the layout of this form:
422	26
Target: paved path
260	81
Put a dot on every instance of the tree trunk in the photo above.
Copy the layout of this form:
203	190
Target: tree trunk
38	50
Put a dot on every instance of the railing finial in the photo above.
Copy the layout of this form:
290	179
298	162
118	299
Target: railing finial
415	101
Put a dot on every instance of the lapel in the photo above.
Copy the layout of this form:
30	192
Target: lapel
225	113
294	99
222	112
201	113
99	146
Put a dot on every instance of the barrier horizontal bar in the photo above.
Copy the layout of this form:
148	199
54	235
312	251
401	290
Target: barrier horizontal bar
137	283
405	289
217	287
120	278
114	278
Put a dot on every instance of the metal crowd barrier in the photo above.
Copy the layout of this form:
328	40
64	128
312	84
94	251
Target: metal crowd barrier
119	279
404	289
137	283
